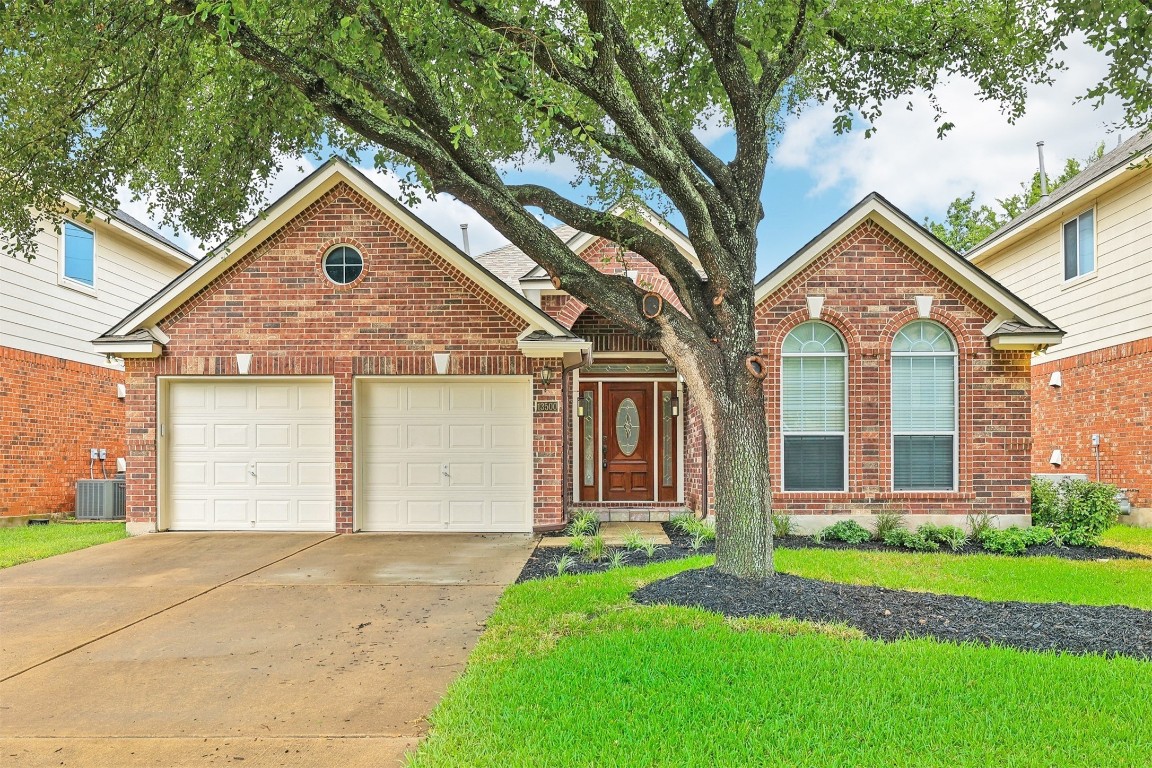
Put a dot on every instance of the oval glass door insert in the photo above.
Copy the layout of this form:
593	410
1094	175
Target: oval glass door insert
627	427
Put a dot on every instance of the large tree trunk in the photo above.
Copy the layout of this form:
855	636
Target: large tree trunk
731	403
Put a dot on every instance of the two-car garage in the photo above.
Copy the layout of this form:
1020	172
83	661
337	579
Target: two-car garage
443	453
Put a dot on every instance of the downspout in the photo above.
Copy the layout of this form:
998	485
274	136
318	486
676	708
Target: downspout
703	473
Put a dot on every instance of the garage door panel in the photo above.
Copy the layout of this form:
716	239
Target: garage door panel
467	436
467	399
469	513
510	512
463	425
273	474
314	436
251	454
274	435
463	476
189	435
230	398
422	475
273	511
510	436
419	436
225	474
230	510
427	398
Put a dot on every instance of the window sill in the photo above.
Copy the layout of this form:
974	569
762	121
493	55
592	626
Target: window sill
1078	280
72	285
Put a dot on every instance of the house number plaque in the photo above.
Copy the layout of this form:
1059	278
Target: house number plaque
547	406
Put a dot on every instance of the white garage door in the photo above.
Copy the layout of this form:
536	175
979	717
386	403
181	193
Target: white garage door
445	454
252	454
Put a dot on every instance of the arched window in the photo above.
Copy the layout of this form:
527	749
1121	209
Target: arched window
813	408
923	408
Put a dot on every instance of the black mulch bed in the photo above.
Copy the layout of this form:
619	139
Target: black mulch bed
893	614
1046	550
542	562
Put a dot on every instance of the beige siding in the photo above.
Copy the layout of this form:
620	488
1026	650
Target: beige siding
40	313
1109	306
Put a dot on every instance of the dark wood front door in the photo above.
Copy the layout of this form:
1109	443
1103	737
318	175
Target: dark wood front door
628	466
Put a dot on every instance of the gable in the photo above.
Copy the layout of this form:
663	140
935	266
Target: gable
1014	323
278	291
124	338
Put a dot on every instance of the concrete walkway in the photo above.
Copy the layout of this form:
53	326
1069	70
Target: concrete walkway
208	649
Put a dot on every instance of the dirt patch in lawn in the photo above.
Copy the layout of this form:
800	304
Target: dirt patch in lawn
890	614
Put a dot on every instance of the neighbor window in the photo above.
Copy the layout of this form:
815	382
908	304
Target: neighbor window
1079	245
79	254
814	408
923	408
343	264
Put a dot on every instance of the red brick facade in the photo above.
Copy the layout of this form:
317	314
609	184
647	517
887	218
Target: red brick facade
868	281
276	304
53	411
1107	392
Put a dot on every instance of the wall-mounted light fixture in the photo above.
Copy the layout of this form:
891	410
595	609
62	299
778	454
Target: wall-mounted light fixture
546	374
243	363
1055	380
675	405
1057	458
440	361
580	408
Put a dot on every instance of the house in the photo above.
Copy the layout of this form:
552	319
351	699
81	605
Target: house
1083	256
340	366
58	394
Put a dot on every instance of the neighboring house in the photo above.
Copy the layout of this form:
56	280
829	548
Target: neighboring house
1083	256
340	366
58	394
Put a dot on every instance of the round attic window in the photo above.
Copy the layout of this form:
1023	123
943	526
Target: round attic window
343	264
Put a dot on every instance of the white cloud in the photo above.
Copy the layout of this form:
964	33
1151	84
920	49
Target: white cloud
984	153
445	214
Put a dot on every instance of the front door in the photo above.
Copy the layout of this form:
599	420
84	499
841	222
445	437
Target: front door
628	465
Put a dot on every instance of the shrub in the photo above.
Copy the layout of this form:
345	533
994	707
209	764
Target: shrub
618	559
1086	510
578	545
902	537
595	551
781	525
649	549
564	564
1045	502
848	531
1010	541
683	522
634	540
950	535
886	522
584	522
1039	535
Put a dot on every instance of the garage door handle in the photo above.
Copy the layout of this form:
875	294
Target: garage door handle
252	470
444	470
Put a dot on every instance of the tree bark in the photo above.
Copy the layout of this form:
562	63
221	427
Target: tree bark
732	408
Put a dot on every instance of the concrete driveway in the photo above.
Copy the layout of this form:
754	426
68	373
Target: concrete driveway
208	649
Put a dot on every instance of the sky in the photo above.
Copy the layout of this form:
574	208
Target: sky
815	176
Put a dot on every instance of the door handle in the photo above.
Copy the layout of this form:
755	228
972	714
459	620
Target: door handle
604	452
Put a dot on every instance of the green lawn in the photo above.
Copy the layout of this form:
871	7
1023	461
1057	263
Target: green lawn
25	543
571	673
